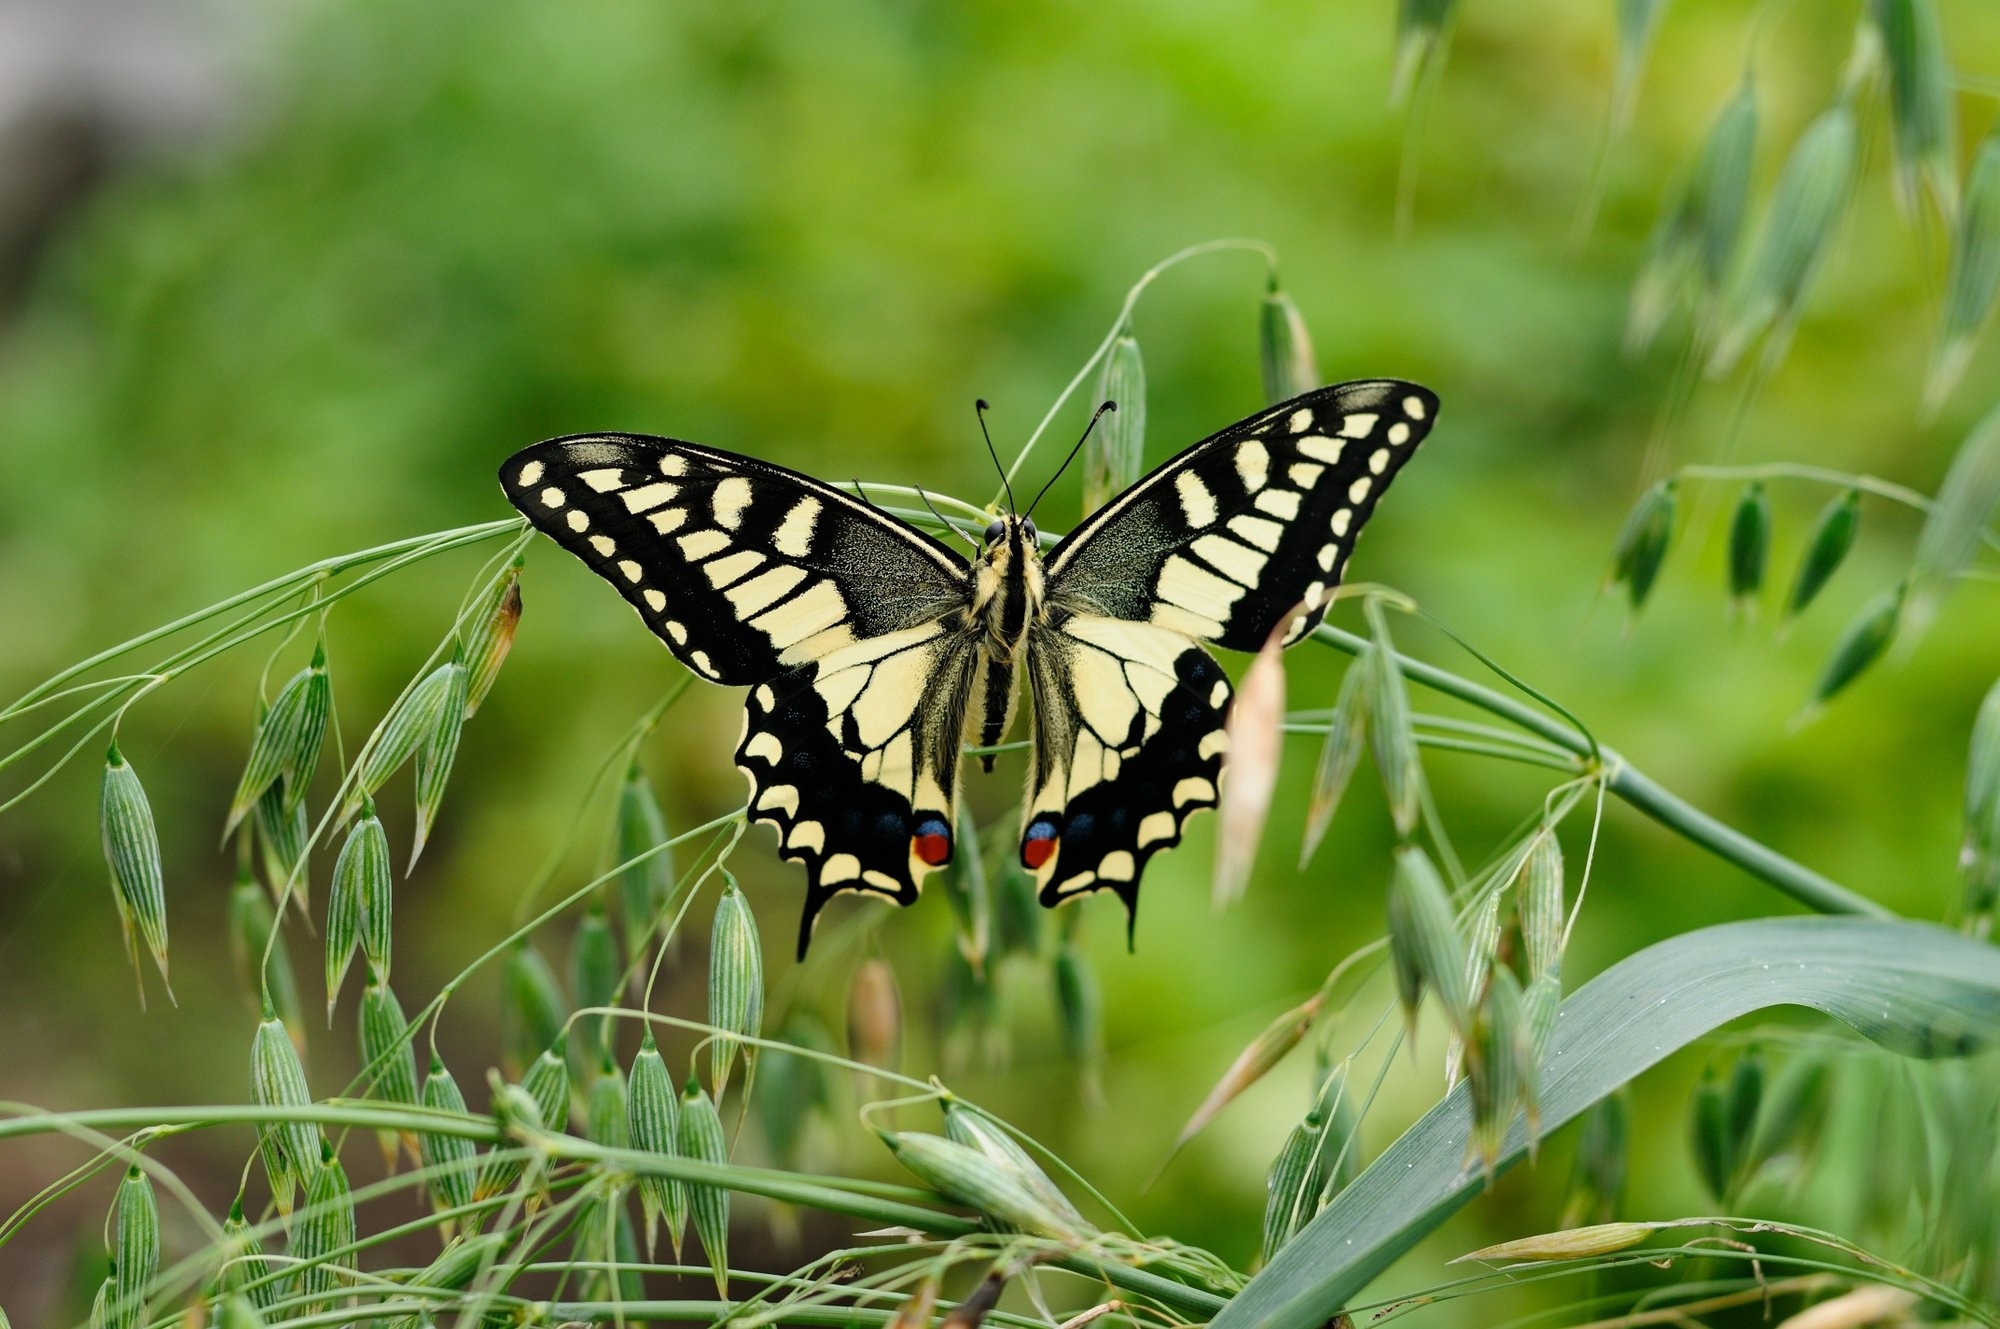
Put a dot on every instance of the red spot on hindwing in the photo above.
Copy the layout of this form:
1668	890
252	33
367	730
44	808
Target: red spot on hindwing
932	849
1037	850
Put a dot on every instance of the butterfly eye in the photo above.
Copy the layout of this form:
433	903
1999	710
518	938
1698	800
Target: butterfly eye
995	531
1029	527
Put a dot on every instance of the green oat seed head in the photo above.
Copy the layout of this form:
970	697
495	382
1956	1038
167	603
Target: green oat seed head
1115	453
700	1138
132	852
1826	548
1285	349
735	984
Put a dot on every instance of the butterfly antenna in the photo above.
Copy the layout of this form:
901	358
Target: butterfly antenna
941	520
1095	417
980	408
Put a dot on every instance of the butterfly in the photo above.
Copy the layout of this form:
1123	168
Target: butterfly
874	652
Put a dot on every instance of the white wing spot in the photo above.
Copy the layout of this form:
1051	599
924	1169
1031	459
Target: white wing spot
765	747
1259	531
1232	560
1194	789
1399	433
1253	464
631	570
732	568
753	597
1413	407
1116	866
1340	521
1327	554
676	631
1197	503
812	610
783	797
647	497
657	601
1218	695
698	545
1280	503
1314	594
1359	425
668	521
731	497
839	868
603	478
604	545
529	474
579	521
673	465
552	497
1304	474
1359	489
794	536
1378	460
1321	449
1300	422
1196	588
806	835
764	697
699	659
1213	744
880	879
1177	619
1157	826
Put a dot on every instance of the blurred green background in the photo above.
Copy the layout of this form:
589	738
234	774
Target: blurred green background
288	282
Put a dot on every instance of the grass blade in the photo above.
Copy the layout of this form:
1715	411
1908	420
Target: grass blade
1915	988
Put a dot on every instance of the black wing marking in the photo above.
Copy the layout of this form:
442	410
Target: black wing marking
854	758
1222	541
742	568
1129	742
839	615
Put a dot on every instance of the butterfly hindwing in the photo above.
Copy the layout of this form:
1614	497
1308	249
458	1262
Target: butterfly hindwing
833	611
1128	745
854	759
1239	530
742	568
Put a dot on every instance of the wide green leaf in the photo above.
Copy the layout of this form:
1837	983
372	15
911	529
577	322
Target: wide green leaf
1910	987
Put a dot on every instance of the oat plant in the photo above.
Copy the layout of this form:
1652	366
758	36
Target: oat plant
594	1167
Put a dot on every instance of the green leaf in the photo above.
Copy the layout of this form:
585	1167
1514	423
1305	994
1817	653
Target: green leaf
1914	988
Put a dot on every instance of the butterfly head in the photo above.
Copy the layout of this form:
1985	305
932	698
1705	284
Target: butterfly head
1000	530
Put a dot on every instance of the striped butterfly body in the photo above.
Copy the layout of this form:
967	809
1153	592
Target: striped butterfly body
874	653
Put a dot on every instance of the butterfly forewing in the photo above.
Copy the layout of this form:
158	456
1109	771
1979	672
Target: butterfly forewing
1248	525
833	610
744	569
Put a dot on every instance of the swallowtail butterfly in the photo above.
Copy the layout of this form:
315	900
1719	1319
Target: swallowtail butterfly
874	652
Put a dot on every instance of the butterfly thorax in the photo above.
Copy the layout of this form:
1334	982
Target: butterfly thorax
1007	588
